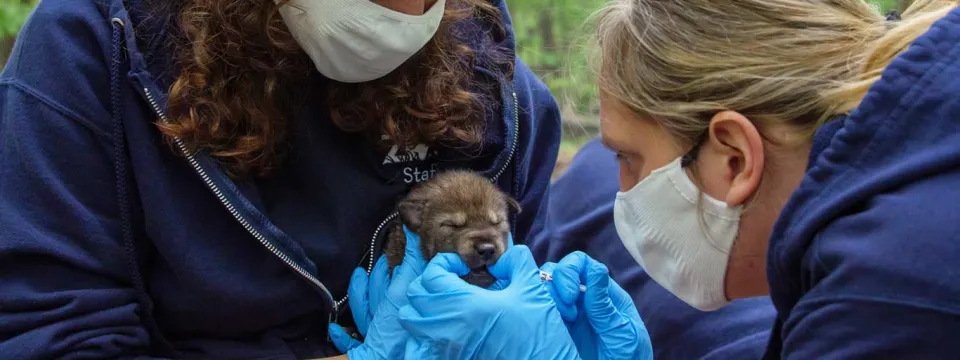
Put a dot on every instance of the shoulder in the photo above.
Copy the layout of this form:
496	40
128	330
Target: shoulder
897	244
61	58
882	280
580	190
64	53
61	37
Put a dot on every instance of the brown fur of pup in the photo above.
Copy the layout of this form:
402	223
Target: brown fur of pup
458	212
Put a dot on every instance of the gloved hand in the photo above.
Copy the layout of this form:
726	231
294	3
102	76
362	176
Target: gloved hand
501	284
375	303
450	319
603	321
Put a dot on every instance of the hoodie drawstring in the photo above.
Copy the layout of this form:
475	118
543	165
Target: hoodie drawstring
123	177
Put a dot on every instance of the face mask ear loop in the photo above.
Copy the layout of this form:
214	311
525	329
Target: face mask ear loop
691	155
685	161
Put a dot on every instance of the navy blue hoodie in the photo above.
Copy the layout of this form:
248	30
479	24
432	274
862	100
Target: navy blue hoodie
113	245
863	261
579	216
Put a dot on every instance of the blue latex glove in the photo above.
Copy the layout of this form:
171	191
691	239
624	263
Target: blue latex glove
375	303
603	321
502	284
450	319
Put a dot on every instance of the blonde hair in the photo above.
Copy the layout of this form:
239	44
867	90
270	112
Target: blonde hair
799	62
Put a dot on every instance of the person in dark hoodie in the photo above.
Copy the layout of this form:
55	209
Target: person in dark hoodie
809	150
200	178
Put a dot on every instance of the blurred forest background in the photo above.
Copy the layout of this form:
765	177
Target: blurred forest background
551	38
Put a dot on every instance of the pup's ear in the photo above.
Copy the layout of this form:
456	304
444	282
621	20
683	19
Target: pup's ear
513	203
411	212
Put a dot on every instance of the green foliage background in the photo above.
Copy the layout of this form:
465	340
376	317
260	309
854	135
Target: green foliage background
551	39
12	15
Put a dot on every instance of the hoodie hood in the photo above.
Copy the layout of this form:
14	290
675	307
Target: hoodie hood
905	129
864	237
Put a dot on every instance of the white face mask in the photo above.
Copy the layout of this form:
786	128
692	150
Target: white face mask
662	224
357	40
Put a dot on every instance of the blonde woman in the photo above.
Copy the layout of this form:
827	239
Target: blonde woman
805	149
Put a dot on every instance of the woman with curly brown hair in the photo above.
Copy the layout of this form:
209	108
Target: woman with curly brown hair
199	178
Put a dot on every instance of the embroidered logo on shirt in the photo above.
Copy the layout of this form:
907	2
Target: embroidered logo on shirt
397	156
411	165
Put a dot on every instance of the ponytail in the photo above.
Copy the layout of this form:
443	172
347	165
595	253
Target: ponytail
917	19
776	62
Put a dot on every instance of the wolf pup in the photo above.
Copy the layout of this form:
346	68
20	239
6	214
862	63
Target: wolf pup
459	212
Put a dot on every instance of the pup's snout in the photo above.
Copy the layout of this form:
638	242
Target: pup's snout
481	247
486	251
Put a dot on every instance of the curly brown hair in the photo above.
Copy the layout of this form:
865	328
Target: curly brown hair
242	75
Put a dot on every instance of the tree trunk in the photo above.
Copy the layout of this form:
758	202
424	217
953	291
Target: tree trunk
902	5
545	25
6	45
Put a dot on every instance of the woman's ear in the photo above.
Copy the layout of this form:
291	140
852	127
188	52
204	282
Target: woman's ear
733	156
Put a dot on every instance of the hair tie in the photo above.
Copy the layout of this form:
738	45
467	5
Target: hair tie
893	15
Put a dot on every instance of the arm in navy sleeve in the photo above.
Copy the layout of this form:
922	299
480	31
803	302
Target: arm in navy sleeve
65	285
539	142
64	280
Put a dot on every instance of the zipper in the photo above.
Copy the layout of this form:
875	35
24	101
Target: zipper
236	214
513	143
383	224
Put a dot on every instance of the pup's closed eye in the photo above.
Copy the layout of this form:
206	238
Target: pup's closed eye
451	224
494	218
455	221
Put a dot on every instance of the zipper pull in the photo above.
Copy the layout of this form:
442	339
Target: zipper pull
332	318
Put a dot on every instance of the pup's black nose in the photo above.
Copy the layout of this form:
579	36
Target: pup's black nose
485	250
